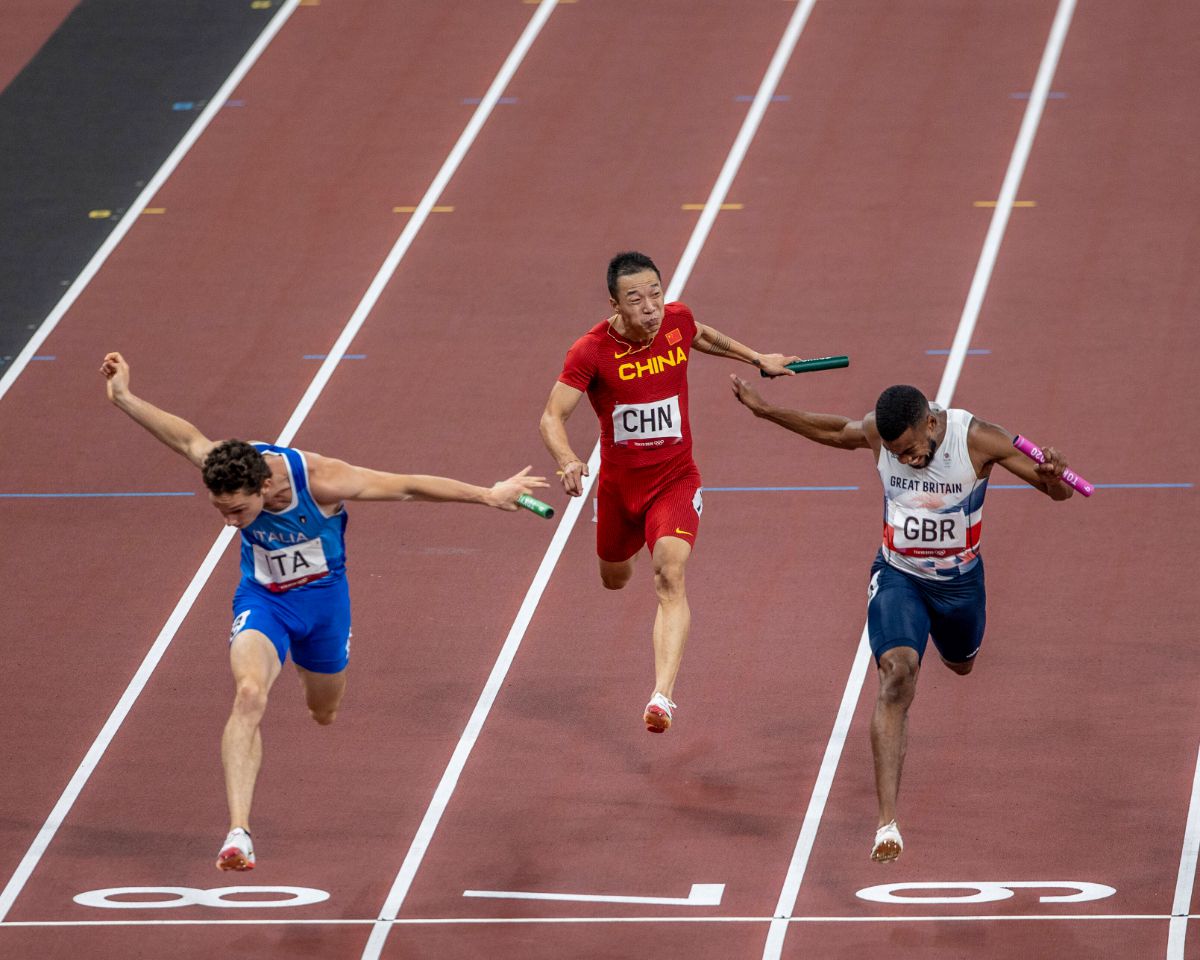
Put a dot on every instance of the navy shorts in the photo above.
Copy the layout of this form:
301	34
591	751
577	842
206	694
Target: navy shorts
905	611
312	621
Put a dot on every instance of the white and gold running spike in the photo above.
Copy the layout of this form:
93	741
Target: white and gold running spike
659	713
888	843
237	852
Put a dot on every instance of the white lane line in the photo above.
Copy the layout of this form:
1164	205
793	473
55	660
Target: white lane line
92	759
701	895
758	107
478	921
441	797
183	607
125	224
1008	195
820	796
1184	881
773	948
421	214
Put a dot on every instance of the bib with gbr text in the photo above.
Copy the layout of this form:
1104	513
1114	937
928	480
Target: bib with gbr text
921	533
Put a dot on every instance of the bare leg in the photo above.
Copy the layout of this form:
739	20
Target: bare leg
323	693
255	666
674	617
961	667
898	670
614	576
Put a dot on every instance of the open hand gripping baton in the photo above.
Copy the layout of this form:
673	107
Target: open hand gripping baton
1033	452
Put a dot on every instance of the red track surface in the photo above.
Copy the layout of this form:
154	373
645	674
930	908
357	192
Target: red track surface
27	25
1067	756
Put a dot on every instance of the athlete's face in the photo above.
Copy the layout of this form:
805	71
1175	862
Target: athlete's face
915	446
639	301
238	509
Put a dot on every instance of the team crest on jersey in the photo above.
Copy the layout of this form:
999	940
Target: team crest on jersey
674	336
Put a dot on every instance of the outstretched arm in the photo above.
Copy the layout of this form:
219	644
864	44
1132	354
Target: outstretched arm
826	428
175	432
715	343
333	481
993	444
562	403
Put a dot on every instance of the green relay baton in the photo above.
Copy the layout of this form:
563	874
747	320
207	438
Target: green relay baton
533	505
817	363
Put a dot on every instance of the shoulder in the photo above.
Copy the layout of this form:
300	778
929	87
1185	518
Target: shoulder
871	432
325	474
588	343
679	312
583	351
989	439
317	467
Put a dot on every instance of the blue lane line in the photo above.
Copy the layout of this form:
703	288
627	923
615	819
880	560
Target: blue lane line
345	356
972	352
767	489
1103	486
47	496
991	486
48	356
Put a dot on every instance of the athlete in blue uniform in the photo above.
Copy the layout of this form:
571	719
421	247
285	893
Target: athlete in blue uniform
927	579
293	596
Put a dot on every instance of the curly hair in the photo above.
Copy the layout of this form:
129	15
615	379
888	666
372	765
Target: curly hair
898	408
234	466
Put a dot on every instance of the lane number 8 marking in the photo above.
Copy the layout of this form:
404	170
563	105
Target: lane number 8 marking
986	891
164	897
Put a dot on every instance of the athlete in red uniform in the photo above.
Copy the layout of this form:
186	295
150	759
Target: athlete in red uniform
633	367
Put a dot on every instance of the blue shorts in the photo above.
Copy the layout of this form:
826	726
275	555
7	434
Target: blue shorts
905	611
312	621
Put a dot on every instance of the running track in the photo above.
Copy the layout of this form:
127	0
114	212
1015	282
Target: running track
1068	757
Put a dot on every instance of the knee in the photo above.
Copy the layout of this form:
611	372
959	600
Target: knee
963	668
324	715
668	581
251	699
615	576
897	683
612	580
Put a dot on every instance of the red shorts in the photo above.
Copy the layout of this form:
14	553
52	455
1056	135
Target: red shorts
639	505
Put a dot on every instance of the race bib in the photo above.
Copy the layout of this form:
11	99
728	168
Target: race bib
648	424
289	567
921	533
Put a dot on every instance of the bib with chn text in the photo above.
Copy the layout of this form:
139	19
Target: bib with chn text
648	424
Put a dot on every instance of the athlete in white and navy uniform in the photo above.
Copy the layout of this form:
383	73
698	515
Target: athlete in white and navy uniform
927	579
293	596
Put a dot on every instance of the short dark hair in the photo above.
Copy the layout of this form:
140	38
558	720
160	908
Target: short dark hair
626	263
898	408
234	466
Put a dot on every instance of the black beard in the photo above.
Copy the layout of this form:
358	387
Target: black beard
933	445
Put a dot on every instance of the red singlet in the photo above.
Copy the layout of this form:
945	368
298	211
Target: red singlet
648	485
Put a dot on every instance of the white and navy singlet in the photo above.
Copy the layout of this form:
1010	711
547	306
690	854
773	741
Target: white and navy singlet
932	516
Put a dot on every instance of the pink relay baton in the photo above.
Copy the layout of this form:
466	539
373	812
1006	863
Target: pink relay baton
1033	452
